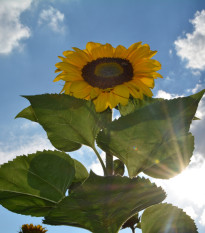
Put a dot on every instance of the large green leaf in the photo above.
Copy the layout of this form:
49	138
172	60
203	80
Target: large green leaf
135	104
103	204
164	217
34	184
69	122
155	138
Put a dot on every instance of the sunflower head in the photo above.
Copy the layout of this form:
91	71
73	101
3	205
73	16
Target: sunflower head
32	229
108	76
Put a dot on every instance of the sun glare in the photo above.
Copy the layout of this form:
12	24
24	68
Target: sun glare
188	186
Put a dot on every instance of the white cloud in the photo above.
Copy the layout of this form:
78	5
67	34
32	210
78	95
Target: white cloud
11	29
96	166
191	48
23	145
53	18
166	95
190	211
202	219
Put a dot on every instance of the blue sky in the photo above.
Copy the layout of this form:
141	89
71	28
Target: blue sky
34	32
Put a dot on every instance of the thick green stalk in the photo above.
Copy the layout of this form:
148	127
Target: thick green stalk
109	157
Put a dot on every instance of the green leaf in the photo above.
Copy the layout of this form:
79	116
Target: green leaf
164	217
103	204
132	222
118	167
27	113
81	172
34	184
69	122
135	104
154	139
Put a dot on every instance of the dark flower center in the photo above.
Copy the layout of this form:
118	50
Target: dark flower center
107	72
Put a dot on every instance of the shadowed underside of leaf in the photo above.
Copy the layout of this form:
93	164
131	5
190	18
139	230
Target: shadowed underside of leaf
154	139
103	204
69	122
34	184
165	218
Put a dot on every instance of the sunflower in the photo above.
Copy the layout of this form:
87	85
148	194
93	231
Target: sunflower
106	75
32	229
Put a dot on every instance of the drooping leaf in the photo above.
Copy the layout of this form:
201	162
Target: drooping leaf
69	122
154	139
99	203
34	184
164	217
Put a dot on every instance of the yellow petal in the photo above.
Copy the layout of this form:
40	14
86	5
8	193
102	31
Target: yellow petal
143	87
103	51
83	93
94	92
147	66
157	75
66	88
78	59
133	47
112	100
68	52
92	45
101	102
121	90
67	67
120	52
57	70
134	90
142	52
78	86
149	82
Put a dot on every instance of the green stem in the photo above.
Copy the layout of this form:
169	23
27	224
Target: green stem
109	157
101	161
109	164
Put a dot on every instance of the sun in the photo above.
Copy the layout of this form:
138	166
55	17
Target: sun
187	186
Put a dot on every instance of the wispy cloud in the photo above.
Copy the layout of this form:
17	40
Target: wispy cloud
53	18
23	144
12	31
191	48
166	95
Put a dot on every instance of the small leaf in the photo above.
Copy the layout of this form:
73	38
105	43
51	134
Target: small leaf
69	122
34	184
196	118
103	204
154	139
164	217
118	167
131	222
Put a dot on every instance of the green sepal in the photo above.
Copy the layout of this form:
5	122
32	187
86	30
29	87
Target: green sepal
99	203
156	135
34	184
69	122
164	217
